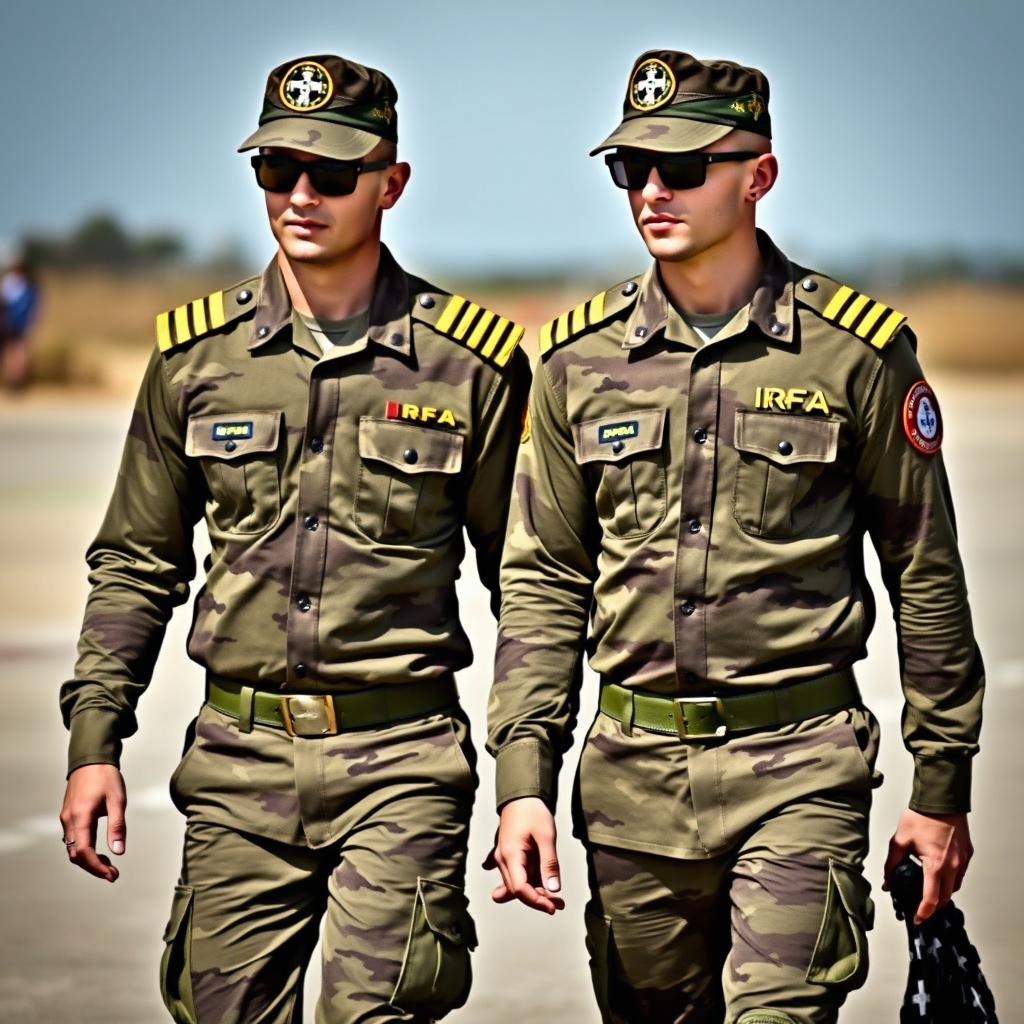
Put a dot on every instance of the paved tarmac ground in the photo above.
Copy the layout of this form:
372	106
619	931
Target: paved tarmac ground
75	949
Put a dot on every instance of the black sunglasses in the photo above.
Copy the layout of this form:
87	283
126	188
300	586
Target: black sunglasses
329	177
676	170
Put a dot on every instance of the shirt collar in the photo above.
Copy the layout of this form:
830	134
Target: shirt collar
770	309
390	323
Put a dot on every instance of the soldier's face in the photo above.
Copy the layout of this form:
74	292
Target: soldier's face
324	230
677	225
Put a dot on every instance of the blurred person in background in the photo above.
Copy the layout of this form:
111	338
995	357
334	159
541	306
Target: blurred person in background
19	305
707	445
339	423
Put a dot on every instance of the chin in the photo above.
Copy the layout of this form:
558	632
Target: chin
669	249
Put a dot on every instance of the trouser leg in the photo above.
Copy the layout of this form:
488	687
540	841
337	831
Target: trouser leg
243	924
656	936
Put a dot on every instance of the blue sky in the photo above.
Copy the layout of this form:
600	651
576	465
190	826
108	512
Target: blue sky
897	123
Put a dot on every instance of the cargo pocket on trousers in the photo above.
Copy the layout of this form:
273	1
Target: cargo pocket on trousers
436	973
840	955
175	964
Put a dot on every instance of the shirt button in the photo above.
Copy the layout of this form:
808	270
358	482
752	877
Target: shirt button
262	332
785	448
700	435
311	522
410	455
694	525
300	670
687	607
304	603
316	445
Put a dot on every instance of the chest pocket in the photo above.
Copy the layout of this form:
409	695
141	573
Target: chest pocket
407	475
780	460
238	452
625	453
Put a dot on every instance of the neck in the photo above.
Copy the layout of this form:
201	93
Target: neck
718	280
336	291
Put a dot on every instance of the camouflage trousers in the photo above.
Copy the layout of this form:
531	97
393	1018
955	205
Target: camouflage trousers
770	925
366	830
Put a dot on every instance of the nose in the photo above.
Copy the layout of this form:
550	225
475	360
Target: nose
655	188
303	194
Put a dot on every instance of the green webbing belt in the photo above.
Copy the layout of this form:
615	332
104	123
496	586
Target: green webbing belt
326	714
702	718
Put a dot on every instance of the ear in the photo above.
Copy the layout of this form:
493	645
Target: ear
395	181
766	173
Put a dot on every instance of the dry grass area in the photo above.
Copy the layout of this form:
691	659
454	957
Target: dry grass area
96	330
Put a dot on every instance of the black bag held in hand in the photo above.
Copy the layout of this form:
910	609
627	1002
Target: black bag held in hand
945	984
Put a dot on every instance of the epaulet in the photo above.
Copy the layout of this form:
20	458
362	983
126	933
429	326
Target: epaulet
867	318
587	315
485	333
200	317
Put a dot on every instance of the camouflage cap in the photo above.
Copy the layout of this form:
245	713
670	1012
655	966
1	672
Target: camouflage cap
326	105
675	103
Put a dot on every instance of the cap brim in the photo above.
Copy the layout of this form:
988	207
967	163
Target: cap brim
308	135
664	134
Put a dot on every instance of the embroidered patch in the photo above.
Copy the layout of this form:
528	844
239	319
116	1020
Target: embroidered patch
232	431
922	421
419	413
609	432
306	87
791	398
652	86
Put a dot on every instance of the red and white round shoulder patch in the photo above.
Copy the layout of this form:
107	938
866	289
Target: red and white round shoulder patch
922	421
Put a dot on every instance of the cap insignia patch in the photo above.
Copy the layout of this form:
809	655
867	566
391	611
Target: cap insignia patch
653	85
306	87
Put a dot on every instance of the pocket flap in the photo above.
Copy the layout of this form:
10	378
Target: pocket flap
613	438
787	439
410	448
180	906
233	435
446	910
840	954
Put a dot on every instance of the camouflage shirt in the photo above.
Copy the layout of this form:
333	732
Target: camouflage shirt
704	504
335	489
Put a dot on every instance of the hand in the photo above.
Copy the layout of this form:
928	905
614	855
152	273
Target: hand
942	842
94	790
524	852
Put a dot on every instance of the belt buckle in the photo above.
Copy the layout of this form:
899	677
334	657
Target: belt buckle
712	703
308	715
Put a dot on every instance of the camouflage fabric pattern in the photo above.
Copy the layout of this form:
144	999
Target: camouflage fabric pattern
367	830
772	931
335	489
719	533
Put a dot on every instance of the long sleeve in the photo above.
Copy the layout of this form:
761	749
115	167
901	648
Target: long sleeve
140	563
490	478
547	580
909	516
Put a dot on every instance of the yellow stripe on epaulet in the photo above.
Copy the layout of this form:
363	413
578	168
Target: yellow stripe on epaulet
873	321
194	319
572	323
492	337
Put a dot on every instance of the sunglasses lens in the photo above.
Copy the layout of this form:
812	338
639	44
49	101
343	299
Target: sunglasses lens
331	178
682	173
276	173
629	172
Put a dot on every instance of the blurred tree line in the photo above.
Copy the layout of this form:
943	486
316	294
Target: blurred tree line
102	242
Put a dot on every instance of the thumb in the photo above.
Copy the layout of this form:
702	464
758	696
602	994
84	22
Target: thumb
549	871
117	829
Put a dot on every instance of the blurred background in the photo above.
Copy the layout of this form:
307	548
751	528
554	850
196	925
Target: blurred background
897	130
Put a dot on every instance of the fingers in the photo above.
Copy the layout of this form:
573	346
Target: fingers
83	852
897	851
117	829
549	870
931	893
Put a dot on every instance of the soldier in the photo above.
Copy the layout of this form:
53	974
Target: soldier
707	444
338	422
